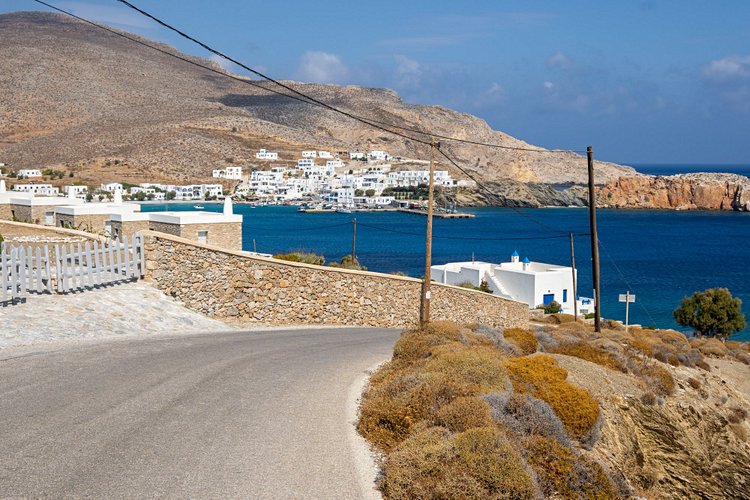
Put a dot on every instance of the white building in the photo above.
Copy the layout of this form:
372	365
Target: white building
229	173
357	155
29	172
534	283
195	191
378	155
77	190
305	162
309	154
325	154
266	155
111	187
334	163
40	189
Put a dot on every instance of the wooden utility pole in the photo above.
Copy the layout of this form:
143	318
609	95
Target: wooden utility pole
354	239
594	243
424	309
573	265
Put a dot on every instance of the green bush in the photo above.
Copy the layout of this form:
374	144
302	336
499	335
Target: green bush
348	262
713	312
303	257
553	307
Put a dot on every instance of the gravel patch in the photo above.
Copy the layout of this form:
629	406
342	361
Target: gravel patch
130	309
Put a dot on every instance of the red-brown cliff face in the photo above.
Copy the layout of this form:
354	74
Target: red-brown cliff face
700	191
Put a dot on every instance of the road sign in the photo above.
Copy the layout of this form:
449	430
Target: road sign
627	298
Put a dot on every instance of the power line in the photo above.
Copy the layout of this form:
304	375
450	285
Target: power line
302	97
630	287
366	120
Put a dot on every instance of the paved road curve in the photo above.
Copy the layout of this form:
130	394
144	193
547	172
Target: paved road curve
261	415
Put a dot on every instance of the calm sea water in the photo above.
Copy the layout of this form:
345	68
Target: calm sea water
661	256
682	169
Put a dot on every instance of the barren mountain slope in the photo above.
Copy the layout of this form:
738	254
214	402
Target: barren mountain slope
76	96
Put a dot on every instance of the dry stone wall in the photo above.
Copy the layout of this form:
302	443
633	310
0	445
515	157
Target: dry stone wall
244	289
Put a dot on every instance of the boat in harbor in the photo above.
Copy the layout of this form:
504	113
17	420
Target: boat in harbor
198	207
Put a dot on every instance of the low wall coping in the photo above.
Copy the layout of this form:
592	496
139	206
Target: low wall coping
54	229
280	262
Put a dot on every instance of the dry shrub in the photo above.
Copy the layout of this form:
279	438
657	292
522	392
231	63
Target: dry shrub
495	337
390	409
593	354
658	378
648	398
523	339
737	415
414	345
477	369
611	324
733	345
694	383
577	329
703	365
710	347
563	474
523	415
740	356
464	413
559	318
739	430
543	378
475	464
643	345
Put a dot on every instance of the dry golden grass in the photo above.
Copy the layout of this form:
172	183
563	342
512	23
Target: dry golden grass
475	464
523	339
658	379
559	318
710	347
464	413
593	354
694	383
477	369
562	474
544	379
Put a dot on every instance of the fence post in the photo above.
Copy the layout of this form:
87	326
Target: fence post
5	262
47	272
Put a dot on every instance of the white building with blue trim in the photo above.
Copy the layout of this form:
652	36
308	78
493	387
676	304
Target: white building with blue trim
534	283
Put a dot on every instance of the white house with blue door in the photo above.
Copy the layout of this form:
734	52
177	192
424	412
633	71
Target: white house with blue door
534	283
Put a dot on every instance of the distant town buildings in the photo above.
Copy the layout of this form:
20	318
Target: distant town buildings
266	155
230	172
27	173
40	189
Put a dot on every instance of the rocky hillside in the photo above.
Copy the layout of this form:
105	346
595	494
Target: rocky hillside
707	191
83	100
557	410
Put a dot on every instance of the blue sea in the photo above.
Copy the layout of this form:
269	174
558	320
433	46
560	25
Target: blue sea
660	256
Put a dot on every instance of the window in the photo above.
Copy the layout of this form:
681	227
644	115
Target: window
202	236
565	295
548	298
49	218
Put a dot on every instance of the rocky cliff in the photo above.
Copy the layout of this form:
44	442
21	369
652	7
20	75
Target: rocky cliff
702	191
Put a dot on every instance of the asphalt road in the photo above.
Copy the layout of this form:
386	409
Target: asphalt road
252	415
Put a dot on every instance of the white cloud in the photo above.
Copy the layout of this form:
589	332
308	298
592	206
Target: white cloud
728	68
548	85
408	72
561	61
322	67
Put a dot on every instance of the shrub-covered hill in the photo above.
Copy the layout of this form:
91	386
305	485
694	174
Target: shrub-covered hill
558	411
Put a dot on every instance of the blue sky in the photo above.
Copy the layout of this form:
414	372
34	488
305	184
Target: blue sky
641	81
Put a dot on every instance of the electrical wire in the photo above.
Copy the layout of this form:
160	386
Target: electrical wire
471	238
301	97
366	120
627	283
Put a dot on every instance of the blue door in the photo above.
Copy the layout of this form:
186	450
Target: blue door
565	295
548	297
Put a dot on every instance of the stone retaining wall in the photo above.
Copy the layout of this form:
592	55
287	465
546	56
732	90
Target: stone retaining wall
244	289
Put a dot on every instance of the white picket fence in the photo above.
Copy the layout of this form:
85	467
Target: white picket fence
70	267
